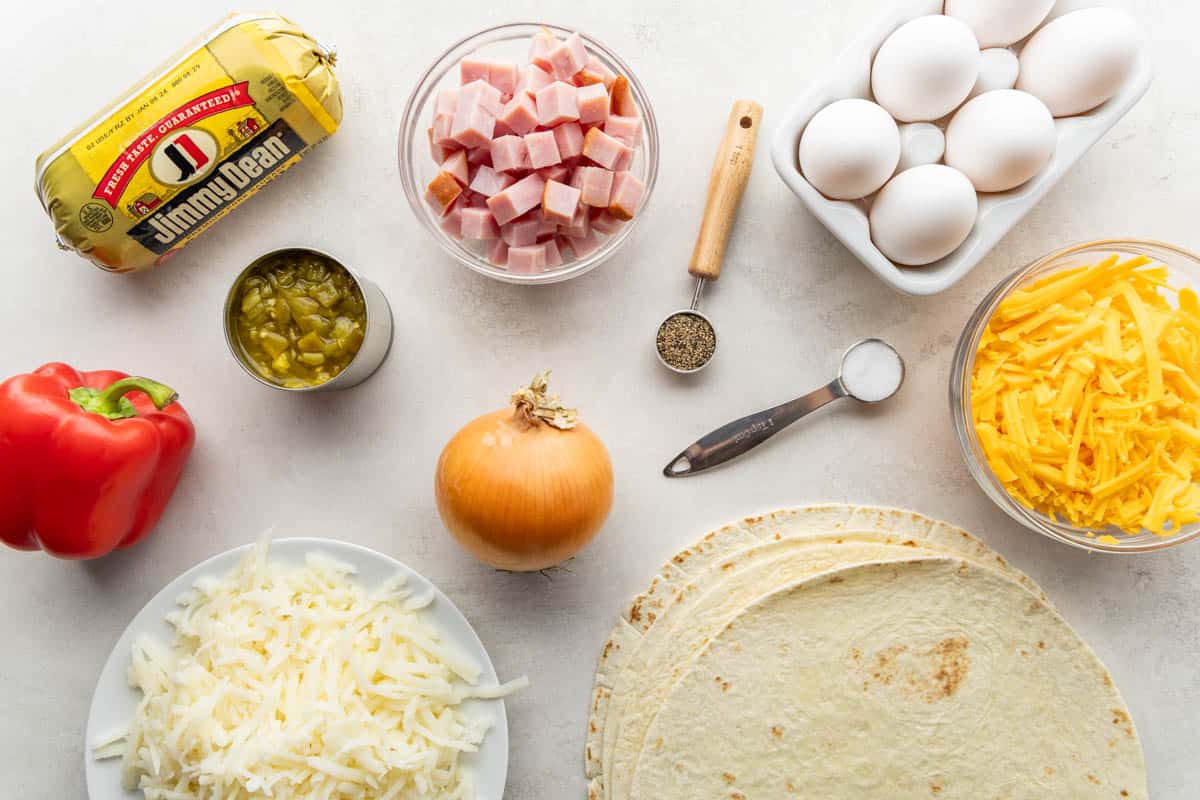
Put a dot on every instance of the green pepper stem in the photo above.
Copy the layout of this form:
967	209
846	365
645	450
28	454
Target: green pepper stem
111	403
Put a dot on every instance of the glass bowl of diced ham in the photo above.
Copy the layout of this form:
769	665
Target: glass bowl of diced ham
529	151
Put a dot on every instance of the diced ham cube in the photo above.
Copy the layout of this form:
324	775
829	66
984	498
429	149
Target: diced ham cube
533	78
451	222
488	182
475	199
541	46
603	149
503	76
527	259
457	166
436	151
560	202
442	191
559	172
569	138
624	161
498	253
593	103
627	130
556	104
514	201
623	103
480	155
585	245
543	151
509	153
521	232
606	223
478	223
626	196
473	127
473	69
443	132
482	94
553	254
520	115
580	225
595	185
447	102
546	228
569	57
595	72
502	129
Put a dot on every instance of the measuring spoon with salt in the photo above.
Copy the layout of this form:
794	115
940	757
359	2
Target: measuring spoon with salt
872	371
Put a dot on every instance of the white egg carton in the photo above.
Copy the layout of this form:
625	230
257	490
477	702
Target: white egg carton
850	76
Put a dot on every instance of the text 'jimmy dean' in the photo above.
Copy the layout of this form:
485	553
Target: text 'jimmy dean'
193	209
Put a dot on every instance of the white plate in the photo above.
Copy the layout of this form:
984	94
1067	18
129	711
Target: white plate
850	76
114	701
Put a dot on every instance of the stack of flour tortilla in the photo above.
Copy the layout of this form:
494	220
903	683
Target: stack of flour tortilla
847	652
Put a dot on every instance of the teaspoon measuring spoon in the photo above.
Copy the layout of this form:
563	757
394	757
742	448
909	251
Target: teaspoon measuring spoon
726	184
871	371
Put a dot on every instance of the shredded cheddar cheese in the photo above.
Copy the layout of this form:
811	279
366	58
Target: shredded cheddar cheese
1085	397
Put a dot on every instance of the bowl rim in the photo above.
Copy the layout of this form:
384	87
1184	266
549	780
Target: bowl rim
409	127
961	370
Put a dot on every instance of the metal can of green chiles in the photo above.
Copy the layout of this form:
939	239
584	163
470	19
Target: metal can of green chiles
299	320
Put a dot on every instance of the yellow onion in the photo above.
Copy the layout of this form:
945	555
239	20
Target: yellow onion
526	487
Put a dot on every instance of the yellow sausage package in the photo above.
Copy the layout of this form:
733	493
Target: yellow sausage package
189	143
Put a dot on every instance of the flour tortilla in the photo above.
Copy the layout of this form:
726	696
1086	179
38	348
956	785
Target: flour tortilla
923	678
705	585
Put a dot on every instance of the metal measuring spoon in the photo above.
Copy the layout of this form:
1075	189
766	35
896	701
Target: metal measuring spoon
871	371
726	184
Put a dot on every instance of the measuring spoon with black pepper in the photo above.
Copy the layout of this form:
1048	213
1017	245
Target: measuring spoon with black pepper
686	339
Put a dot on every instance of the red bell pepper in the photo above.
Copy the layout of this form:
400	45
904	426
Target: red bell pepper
88	460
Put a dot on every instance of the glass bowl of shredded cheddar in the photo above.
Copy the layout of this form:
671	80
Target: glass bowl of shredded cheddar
1076	395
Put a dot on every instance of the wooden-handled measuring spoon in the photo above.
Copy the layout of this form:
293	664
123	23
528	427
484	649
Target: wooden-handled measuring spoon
687	340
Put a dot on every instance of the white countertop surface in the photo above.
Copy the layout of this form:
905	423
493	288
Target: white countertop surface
358	465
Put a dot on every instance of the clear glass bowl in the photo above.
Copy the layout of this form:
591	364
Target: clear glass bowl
1184	270
510	42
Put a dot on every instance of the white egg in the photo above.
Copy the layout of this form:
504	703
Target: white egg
925	69
1063	7
1000	139
999	23
998	68
923	214
1079	60
849	149
920	143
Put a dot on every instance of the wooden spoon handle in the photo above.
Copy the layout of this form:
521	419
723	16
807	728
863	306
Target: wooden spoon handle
730	174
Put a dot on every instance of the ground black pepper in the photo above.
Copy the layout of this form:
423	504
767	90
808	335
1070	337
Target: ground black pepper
686	341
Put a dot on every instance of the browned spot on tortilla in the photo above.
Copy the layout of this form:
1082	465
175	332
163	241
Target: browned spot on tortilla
1023	652
727	565
608	646
1041	645
754	520
1092	779
635	611
784	648
729	777
1112	744
592	726
951	663
708	537
1034	607
1000	560
837	579
885	664
777	731
658	743
909	543
1107	679
723	684
855	654
1124	793
736	795
1121	719
839	541
778	536
935	788
1049	771
791	787
651	616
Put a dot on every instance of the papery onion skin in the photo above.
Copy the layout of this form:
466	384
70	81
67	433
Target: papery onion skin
522	495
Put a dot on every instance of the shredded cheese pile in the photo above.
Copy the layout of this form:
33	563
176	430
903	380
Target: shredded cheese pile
1085	398
296	683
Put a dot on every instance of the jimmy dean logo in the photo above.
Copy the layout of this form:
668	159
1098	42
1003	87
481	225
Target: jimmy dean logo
232	181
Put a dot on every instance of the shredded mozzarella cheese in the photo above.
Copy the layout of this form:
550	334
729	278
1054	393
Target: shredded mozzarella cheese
298	684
